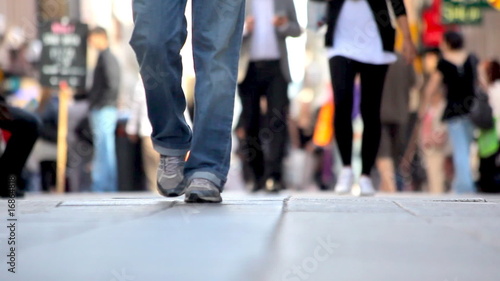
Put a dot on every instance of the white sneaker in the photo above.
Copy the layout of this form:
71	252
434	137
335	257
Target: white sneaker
366	186
345	181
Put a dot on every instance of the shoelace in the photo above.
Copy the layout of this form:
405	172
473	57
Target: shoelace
170	165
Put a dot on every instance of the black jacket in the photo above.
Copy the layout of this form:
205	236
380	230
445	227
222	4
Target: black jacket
106	82
381	14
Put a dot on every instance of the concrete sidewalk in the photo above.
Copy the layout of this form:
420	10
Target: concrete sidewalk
313	236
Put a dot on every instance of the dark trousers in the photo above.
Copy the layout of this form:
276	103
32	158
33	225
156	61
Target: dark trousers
489	171
264	146
343	72
25	128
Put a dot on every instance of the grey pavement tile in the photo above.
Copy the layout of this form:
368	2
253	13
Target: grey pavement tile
261	237
185	242
360	247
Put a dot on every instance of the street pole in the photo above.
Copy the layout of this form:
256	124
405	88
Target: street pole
62	134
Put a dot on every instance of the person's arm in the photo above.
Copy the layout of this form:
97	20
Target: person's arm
398	7
409	51
431	89
111	75
288	25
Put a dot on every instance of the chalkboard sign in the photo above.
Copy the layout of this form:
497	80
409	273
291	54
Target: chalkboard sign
64	54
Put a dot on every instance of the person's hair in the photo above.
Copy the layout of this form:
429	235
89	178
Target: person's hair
493	71
431	51
454	40
98	31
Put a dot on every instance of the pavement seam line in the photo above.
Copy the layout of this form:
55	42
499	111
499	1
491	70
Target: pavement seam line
405	209
285	203
473	235
270	260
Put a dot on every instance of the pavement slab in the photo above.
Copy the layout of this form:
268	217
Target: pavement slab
280	237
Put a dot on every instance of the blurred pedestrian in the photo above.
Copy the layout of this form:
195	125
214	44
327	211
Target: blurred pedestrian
488	142
492	86
103	98
361	41
157	40
24	129
42	161
395	115
433	143
264	72
139	128
456	69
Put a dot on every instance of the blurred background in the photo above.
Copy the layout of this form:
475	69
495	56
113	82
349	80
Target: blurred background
311	161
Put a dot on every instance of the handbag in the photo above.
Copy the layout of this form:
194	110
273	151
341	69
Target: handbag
481	113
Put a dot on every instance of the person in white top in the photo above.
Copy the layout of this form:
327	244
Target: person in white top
361	43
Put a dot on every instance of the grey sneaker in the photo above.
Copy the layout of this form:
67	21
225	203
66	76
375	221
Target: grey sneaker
170	176
202	191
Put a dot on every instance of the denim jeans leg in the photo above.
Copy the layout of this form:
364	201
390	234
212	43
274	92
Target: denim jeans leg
159	34
104	167
217	31
460	130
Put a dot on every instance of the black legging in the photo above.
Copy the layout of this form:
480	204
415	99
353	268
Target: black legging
343	72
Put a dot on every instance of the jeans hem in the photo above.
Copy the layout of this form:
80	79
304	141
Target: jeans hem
208	175
170	151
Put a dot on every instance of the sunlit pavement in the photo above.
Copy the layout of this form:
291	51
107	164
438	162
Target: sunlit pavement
289	236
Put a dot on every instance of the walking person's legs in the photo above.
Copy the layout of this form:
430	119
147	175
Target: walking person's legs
385	160
217	33
372	85
343	72
151	159
460	130
159	34
251	146
104	167
434	163
277	117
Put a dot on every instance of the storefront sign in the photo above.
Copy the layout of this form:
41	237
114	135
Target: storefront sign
462	11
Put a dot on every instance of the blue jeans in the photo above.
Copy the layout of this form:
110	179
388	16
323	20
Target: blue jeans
159	34
104	171
460	130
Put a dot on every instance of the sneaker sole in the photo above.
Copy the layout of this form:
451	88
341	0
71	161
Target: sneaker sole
343	192
196	197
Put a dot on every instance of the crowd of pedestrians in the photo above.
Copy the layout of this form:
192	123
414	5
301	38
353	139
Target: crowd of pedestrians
448	140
